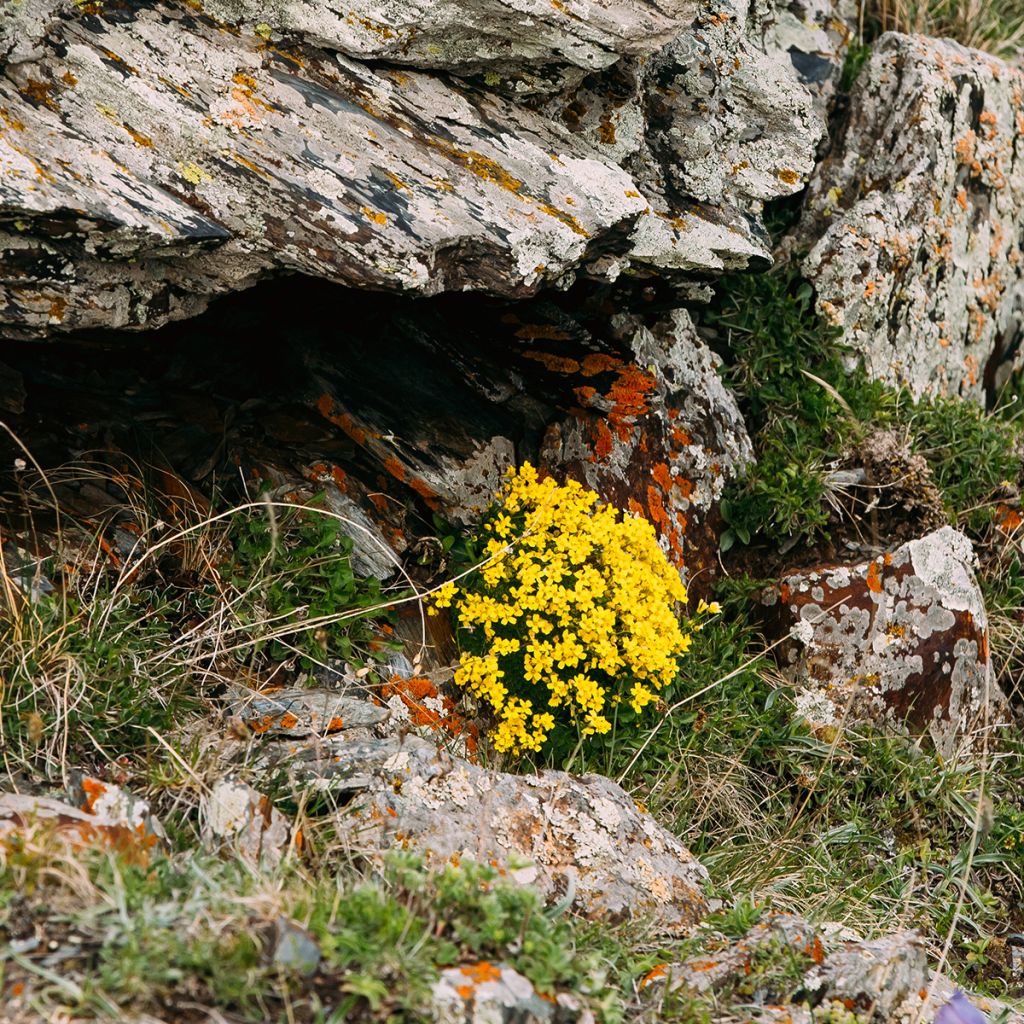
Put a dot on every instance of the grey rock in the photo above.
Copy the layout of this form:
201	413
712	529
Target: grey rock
239	819
578	839
120	822
301	712
491	37
874	977
487	993
900	638
914	218
214	157
295	949
813	35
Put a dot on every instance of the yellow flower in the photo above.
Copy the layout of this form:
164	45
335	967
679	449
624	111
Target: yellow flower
573	610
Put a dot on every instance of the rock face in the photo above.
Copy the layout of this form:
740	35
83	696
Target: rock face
914	218
660	440
903	637
578	839
153	157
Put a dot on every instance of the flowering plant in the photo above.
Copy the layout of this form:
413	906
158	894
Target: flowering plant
572	613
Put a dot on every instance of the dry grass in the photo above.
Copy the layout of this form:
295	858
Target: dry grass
993	25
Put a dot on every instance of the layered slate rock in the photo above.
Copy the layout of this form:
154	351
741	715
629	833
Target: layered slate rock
153	157
914	218
578	839
484	36
901	638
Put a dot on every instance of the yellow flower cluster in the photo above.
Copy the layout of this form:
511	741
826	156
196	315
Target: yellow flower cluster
572	613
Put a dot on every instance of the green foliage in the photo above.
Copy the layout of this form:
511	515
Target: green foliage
297	568
80	670
808	405
971	454
198	926
857	54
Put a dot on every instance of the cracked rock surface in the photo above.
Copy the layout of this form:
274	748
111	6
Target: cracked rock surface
914	218
152	157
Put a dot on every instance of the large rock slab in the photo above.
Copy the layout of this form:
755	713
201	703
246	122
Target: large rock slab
901	638
578	839
482	36
914	218
153	158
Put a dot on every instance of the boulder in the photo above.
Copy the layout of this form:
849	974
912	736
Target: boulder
901	638
153	157
660	436
580	840
913	220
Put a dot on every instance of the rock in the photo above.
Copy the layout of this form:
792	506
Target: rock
876	976
215	157
119	824
814	36
113	804
914	218
492	37
486	993
631	407
873	978
580	840
238	818
301	712
901	638
660	438
295	949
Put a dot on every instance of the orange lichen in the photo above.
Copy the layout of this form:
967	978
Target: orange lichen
874	578
556	364
656	972
598	363
482	972
604	443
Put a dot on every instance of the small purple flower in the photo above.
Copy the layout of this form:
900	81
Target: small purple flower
960	1010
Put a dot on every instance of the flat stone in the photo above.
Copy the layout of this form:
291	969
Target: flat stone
301	712
240	819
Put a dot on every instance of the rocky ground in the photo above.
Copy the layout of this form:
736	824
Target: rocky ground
286	289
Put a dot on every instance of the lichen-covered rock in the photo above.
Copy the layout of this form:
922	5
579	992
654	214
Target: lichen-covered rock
120	823
915	218
153	158
660	437
238	818
489	993
301	711
632	407
784	955
901	638
577	839
482	36
813	35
